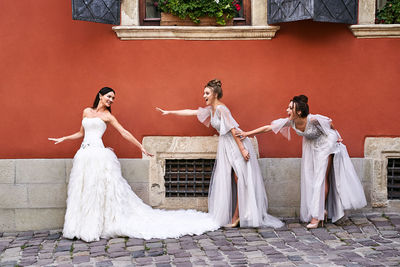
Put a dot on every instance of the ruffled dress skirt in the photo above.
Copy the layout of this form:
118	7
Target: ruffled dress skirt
101	204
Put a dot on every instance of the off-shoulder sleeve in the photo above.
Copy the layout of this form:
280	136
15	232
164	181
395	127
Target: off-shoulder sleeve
283	126
204	115
227	121
325	124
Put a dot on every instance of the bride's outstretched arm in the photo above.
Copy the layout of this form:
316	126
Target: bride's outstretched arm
127	135
263	129
76	135
182	112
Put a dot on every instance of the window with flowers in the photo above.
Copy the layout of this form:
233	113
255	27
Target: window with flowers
150	10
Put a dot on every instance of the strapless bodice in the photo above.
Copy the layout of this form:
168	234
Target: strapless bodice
94	130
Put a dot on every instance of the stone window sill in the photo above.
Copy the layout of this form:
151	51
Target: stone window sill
376	30
196	33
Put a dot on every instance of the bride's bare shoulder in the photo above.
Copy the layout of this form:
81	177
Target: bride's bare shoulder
87	111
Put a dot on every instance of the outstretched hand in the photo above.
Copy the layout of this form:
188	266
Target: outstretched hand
144	151
241	134
56	140
164	112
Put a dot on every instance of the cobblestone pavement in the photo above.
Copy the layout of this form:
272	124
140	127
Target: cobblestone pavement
362	240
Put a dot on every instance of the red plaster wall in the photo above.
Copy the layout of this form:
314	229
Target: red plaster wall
52	67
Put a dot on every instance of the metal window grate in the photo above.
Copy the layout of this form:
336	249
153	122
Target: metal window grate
188	177
393	178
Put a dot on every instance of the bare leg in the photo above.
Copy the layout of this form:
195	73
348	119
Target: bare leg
236	214
328	170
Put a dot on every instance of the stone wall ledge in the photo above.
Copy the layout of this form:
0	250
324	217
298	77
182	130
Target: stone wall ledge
34	205
196	32
376	30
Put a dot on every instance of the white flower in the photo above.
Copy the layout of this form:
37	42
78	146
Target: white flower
216	1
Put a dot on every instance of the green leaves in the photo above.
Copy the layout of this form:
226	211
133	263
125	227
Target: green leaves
390	13
222	10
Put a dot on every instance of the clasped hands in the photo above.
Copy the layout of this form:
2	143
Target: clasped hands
242	135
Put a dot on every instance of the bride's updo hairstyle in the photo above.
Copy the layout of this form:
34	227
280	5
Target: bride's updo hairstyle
300	103
103	91
215	85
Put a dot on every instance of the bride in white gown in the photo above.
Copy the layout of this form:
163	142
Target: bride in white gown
101	203
329	183
233	154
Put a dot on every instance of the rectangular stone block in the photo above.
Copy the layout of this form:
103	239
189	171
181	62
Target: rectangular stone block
7	171
68	167
30	171
281	180
39	219
197	203
47	195
7	220
284	211
141	190
13	196
135	170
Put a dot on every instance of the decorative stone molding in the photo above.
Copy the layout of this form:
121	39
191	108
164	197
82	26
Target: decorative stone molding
366	27
379	149
196	32
175	147
376	31
131	30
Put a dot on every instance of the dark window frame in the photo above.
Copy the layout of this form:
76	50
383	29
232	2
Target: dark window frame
393	178
246	20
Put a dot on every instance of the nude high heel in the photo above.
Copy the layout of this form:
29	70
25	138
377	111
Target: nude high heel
315	225
234	224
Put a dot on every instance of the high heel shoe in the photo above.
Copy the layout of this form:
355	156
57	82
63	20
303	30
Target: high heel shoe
315	225
232	225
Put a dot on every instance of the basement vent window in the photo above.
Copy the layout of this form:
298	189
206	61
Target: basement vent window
393	178
188	177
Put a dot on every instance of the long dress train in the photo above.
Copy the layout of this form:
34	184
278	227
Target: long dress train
101	203
319	142
253	203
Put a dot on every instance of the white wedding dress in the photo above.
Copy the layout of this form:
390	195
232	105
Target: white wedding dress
345	188
253	203
102	204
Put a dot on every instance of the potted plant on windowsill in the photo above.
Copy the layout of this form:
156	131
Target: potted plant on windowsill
389	14
197	12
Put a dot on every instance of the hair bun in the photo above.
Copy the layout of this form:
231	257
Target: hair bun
217	82
303	98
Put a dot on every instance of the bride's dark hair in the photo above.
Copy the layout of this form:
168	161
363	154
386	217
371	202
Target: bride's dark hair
103	91
301	104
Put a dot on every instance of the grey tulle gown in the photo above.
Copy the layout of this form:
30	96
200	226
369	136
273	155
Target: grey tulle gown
253	203
345	188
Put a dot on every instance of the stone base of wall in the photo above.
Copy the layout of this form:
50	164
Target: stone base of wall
33	191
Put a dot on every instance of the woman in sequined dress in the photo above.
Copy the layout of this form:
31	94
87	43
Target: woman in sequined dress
329	183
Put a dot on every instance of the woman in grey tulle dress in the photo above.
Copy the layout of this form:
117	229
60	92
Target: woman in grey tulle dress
233	154
329	183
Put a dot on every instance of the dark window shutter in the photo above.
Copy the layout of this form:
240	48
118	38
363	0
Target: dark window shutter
103	11
342	11
289	10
